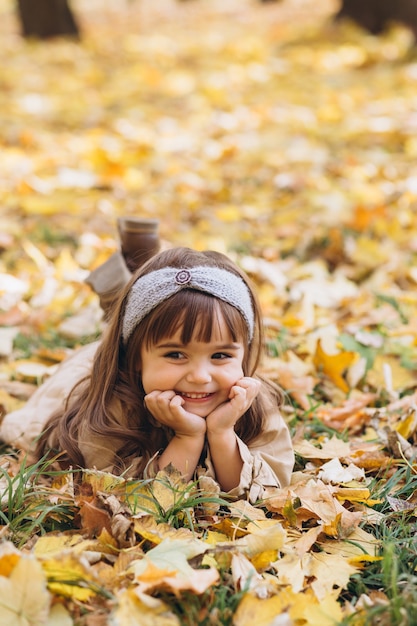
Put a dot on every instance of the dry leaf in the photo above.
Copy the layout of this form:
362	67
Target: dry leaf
334	365
24	598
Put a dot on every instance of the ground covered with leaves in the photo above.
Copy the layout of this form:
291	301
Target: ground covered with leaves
266	132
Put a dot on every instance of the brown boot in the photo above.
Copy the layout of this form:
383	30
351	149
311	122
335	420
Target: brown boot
139	240
108	280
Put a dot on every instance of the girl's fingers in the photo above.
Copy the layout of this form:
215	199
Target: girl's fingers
176	402
237	391
159	397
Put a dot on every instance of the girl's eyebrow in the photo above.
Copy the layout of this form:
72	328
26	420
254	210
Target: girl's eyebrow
215	347
169	345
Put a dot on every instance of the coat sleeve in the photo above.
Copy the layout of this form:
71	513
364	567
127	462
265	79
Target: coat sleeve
19	428
267	461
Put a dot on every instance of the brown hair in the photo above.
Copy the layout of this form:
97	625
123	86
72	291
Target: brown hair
109	403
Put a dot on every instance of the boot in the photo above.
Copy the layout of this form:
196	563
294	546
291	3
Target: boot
139	241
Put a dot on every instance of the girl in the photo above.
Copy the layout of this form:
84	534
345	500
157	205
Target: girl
173	381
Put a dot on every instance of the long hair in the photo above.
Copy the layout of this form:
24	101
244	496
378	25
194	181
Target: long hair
110	402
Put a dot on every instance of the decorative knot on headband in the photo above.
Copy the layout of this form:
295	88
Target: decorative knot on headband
154	288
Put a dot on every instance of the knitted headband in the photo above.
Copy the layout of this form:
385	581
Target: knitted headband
152	289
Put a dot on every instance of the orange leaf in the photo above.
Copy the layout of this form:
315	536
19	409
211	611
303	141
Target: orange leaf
334	365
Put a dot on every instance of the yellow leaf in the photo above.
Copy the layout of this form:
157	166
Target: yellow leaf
327	612
264	536
102	481
264	559
289	512
229	214
50	546
148	528
168	487
36	255
140	499
8	562
356	494
69	576
53	545
330	571
330	449
164	491
133	610
166	566
213	538
39	205
358	543
262	612
24	598
59	616
301	608
334	365
333	528
307	540
358	561
401	377
407	426
244	573
245	510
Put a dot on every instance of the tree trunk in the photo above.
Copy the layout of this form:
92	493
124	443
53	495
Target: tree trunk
47	18
376	15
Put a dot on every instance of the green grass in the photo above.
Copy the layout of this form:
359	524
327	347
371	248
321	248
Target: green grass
395	575
27	507
27	345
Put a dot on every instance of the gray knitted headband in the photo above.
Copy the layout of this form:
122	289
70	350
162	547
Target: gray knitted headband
152	289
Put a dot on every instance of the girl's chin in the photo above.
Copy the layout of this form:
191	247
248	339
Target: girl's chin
199	409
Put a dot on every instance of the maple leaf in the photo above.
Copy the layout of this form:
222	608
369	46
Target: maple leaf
264	535
166	566
297	608
334	365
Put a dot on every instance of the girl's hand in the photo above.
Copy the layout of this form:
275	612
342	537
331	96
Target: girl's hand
166	408
241	396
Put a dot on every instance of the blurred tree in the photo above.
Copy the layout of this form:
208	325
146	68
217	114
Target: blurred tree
47	18
376	15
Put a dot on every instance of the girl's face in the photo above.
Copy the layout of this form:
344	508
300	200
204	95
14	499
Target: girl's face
201	373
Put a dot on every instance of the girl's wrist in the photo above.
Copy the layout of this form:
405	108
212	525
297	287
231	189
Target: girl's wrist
195	437
226	434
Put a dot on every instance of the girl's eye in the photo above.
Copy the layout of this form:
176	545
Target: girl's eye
174	355
221	355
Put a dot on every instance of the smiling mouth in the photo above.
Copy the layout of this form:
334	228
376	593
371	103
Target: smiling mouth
194	396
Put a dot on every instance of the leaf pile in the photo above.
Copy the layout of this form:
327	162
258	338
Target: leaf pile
267	132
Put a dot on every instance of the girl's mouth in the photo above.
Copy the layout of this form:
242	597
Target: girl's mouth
194	396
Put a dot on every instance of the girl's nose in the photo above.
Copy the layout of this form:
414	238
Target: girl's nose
199	373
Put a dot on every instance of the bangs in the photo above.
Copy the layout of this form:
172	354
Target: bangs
197	314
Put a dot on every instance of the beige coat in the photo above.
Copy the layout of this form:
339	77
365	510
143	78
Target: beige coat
267	461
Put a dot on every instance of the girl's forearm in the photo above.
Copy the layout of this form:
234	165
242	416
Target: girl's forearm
183	452
226	459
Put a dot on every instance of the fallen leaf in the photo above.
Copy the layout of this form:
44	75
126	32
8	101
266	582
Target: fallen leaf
24	598
132	610
330	449
334	365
